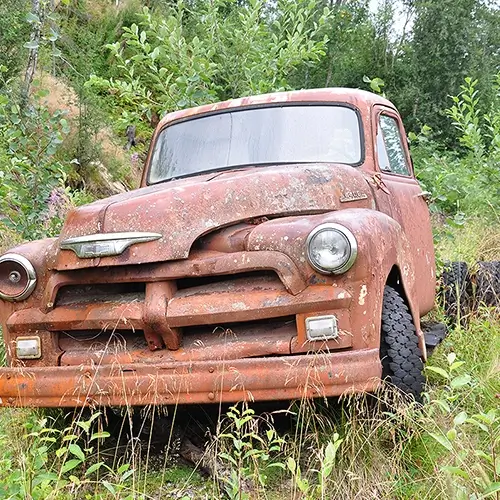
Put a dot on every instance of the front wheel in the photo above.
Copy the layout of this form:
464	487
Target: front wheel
399	351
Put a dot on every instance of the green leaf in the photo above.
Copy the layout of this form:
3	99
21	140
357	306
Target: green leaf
228	457
442	440
456	364
32	18
94	468
460	418
457	471
61	451
100	435
77	451
109	487
451	434
460	381
156	52
491	489
53	35
484	456
70	465
74	480
42	93
31	45
477	424
127	475
123	468
439	371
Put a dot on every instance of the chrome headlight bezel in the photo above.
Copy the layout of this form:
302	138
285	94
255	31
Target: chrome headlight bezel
30	277
349	239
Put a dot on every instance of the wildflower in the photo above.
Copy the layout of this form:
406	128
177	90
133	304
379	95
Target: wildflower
57	204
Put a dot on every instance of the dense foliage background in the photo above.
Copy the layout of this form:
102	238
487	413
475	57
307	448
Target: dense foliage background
115	64
74	74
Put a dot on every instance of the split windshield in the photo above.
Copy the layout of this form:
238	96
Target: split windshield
259	136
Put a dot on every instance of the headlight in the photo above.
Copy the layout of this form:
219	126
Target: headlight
331	248
17	277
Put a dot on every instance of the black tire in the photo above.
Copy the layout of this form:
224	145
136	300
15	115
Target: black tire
456	291
399	351
488	283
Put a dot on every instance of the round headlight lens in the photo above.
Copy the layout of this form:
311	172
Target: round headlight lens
331	248
17	277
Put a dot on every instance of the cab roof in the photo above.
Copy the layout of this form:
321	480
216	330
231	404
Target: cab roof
361	99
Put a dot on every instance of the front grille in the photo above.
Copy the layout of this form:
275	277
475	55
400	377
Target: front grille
209	281
136	292
164	313
210	342
245	282
105	293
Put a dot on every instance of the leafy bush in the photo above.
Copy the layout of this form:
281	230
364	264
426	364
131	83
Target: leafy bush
163	66
33	197
14	31
467	180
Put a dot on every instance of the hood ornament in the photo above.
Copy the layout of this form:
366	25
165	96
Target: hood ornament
105	245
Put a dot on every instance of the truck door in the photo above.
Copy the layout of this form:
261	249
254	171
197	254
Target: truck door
409	207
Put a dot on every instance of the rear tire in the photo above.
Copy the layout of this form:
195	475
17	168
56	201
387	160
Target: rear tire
488	283
456	291
399	351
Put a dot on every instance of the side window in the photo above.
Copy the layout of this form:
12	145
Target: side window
390	150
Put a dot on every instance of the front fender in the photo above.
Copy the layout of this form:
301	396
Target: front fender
382	244
37	252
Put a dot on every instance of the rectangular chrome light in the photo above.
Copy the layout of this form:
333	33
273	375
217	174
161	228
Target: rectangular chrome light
28	348
107	244
322	327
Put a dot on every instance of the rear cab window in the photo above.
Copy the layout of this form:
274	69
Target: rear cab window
390	150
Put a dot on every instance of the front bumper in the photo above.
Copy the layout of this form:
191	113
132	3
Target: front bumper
267	378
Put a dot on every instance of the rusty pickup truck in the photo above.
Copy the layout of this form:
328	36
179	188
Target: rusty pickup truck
279	247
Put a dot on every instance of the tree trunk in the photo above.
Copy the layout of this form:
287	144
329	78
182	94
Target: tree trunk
33	51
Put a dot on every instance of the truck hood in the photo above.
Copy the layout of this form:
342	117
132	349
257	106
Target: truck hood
185	209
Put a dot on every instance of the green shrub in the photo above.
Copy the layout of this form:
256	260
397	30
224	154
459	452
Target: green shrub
32	193
163	66
467	180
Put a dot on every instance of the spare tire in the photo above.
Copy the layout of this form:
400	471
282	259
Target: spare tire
399	351
488	283
456	290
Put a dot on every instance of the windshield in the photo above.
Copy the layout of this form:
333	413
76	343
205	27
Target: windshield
261	136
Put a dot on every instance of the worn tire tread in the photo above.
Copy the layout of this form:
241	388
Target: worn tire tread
488	283
456	290
399	351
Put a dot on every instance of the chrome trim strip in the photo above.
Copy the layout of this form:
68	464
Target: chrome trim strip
30	271
121	242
